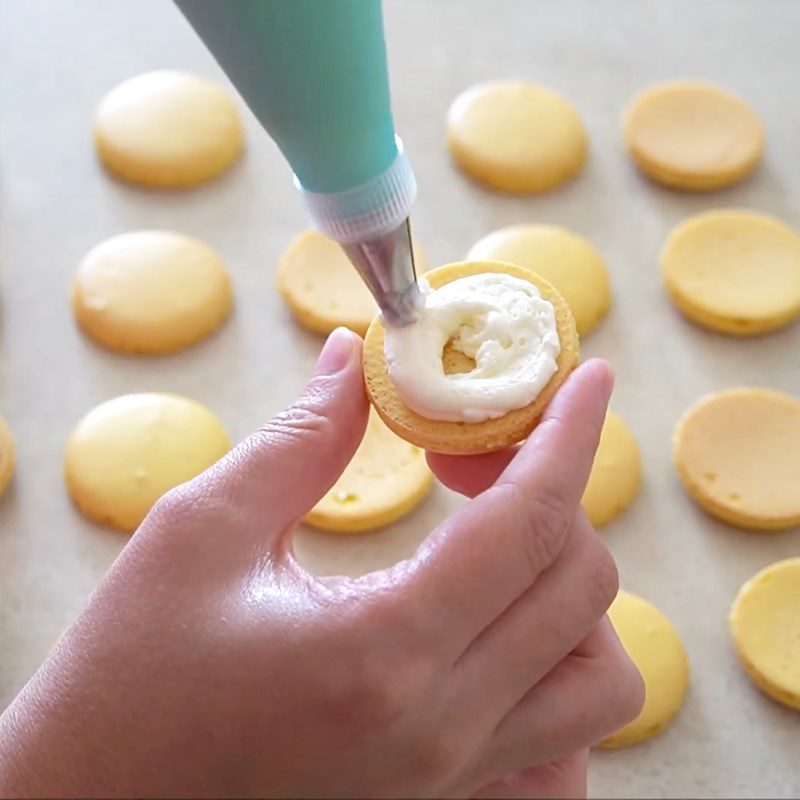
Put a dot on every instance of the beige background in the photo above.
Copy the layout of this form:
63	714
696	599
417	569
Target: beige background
58	57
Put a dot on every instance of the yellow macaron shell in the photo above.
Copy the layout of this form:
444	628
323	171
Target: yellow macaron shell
516	136
692	135
6	456
737	272
562	258
765	625
737	452
127	452
167	128
656	649
616	472
323	289
151	292
461	438
385	480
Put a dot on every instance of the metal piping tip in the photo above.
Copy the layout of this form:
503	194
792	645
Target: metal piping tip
387	266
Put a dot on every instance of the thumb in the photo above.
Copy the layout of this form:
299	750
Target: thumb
281	471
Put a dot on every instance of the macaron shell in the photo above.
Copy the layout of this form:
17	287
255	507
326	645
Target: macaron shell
693	136
562	258
516	137
464	437
323	289
765	625
7	456
736	272
167	128
737	453
655	647
385	480
127	452
616	473
151	292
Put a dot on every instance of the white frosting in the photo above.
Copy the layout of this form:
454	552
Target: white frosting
501	322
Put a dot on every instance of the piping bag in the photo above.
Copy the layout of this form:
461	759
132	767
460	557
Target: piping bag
314	74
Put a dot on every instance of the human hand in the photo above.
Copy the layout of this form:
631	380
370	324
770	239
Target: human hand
209	663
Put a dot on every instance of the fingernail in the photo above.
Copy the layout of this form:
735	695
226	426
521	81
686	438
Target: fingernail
335	353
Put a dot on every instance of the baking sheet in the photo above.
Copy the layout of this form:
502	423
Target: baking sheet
58	57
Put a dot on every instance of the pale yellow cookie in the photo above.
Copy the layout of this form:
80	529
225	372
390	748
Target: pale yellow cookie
151	292
323	289
167	128
765	624
616	472
559	256
737	272
737	452
655	647
6	456
467	437
127	452
693	135
516	136
386	479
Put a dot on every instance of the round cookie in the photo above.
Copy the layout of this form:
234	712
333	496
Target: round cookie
6	456
559	256
655	647
167	128
616	472
323	289
151	292
386	479
692	135
737	452
127	452
516	136
734	271
765	624
465	437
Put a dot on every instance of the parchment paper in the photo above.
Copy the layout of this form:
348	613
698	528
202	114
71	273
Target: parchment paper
58	57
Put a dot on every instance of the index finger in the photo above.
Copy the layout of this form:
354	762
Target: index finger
471	475
490	551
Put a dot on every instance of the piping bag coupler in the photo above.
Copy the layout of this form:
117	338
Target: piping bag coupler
314	74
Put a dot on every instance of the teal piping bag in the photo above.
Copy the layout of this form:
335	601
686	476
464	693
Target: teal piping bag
314	74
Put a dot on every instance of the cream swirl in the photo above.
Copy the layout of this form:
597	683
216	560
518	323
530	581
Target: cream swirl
500	322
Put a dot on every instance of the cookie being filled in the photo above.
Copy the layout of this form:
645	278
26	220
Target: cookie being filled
475	371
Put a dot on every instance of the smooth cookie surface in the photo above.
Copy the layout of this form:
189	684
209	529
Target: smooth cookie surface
736	272
562	258
516	136
167	128
127	452
464	437
693	135
616	472
656	649
765	624
737	452
386	479
151	292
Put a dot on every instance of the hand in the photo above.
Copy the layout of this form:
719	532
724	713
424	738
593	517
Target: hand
208	663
